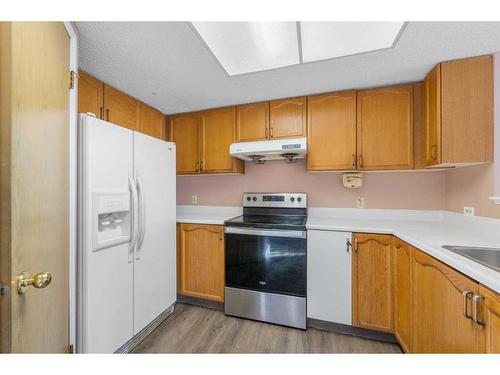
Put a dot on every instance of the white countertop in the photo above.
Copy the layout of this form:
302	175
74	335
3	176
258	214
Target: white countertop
425	230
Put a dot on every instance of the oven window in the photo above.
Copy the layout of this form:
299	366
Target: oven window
267	264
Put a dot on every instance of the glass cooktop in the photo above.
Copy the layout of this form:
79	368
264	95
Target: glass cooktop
295	222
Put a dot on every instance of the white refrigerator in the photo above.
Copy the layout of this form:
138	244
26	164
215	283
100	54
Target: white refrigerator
127	234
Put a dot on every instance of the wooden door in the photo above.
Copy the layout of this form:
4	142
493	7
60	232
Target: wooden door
202	261
432	95
491	318
439	324
372	289
90	95
34	184
184	131
120	109
288	118
402	294
385	128
218	131
151	121
331	131
252	122
467	110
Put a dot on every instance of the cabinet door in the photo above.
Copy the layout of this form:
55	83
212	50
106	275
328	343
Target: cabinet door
184	131
90	95
331	131
432	86
467	110
385	128
329	276
491	312
151	121
202	261
288	118
252	122
439	308
402	294
218	131
372	289
120	109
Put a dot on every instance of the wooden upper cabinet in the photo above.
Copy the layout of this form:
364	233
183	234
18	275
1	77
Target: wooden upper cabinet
252	122
288	118
432	96
385	128
372	282
151	121
331	131
184	131
218	131
467	110
120	109
491	318
402	294
419	125
90	95
202	261
439	308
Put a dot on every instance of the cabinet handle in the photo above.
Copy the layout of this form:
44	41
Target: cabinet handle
475	300
434	152
272	133
101	113
360	161
197	166
348	245
466	294
201	166
356	245
267	131
107	114
354	160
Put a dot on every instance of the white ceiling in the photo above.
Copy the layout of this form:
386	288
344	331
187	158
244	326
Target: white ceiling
168	58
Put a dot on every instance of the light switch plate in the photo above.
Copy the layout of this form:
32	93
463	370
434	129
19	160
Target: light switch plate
194	199
469	211
360	202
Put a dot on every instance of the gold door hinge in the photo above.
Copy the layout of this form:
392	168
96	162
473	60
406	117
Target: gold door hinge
71	349
73	76
4	290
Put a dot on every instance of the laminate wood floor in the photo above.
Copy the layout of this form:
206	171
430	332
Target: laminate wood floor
193	329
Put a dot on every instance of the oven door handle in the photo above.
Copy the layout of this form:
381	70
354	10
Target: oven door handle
267	232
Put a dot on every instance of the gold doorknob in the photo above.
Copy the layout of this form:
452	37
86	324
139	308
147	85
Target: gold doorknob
40	280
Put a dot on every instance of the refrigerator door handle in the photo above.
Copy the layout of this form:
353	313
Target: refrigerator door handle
142	218
135	227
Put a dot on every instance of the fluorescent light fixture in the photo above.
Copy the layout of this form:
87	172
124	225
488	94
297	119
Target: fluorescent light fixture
244	47
327	40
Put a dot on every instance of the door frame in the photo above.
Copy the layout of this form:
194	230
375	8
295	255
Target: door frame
5	314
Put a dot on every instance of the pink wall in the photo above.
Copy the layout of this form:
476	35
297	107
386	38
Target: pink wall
472	186
405	190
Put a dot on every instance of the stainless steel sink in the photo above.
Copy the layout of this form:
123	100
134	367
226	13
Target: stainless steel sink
487	256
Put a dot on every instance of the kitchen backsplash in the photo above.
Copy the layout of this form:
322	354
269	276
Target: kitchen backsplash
403	190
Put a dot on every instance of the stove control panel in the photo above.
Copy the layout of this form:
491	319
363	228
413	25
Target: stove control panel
283	200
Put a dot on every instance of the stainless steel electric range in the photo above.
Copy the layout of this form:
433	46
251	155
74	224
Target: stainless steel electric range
265	259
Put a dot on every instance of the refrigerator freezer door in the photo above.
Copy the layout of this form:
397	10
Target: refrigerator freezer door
105	274
155	260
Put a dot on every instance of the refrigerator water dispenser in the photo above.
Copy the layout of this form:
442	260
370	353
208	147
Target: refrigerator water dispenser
110	219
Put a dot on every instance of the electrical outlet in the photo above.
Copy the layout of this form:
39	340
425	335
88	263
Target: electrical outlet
469	211
194	199
360	202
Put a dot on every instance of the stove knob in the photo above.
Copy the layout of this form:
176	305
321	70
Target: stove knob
292	199
299	199
254	199
248	199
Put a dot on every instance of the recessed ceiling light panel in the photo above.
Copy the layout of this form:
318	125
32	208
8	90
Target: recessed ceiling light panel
244	47
327	40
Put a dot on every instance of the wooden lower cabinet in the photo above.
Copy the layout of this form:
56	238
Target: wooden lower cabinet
372	282
439	308
402	294
491	319
201	261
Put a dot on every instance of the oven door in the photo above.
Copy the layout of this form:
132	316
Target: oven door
266	260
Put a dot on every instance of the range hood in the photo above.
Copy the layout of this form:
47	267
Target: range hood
258	152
